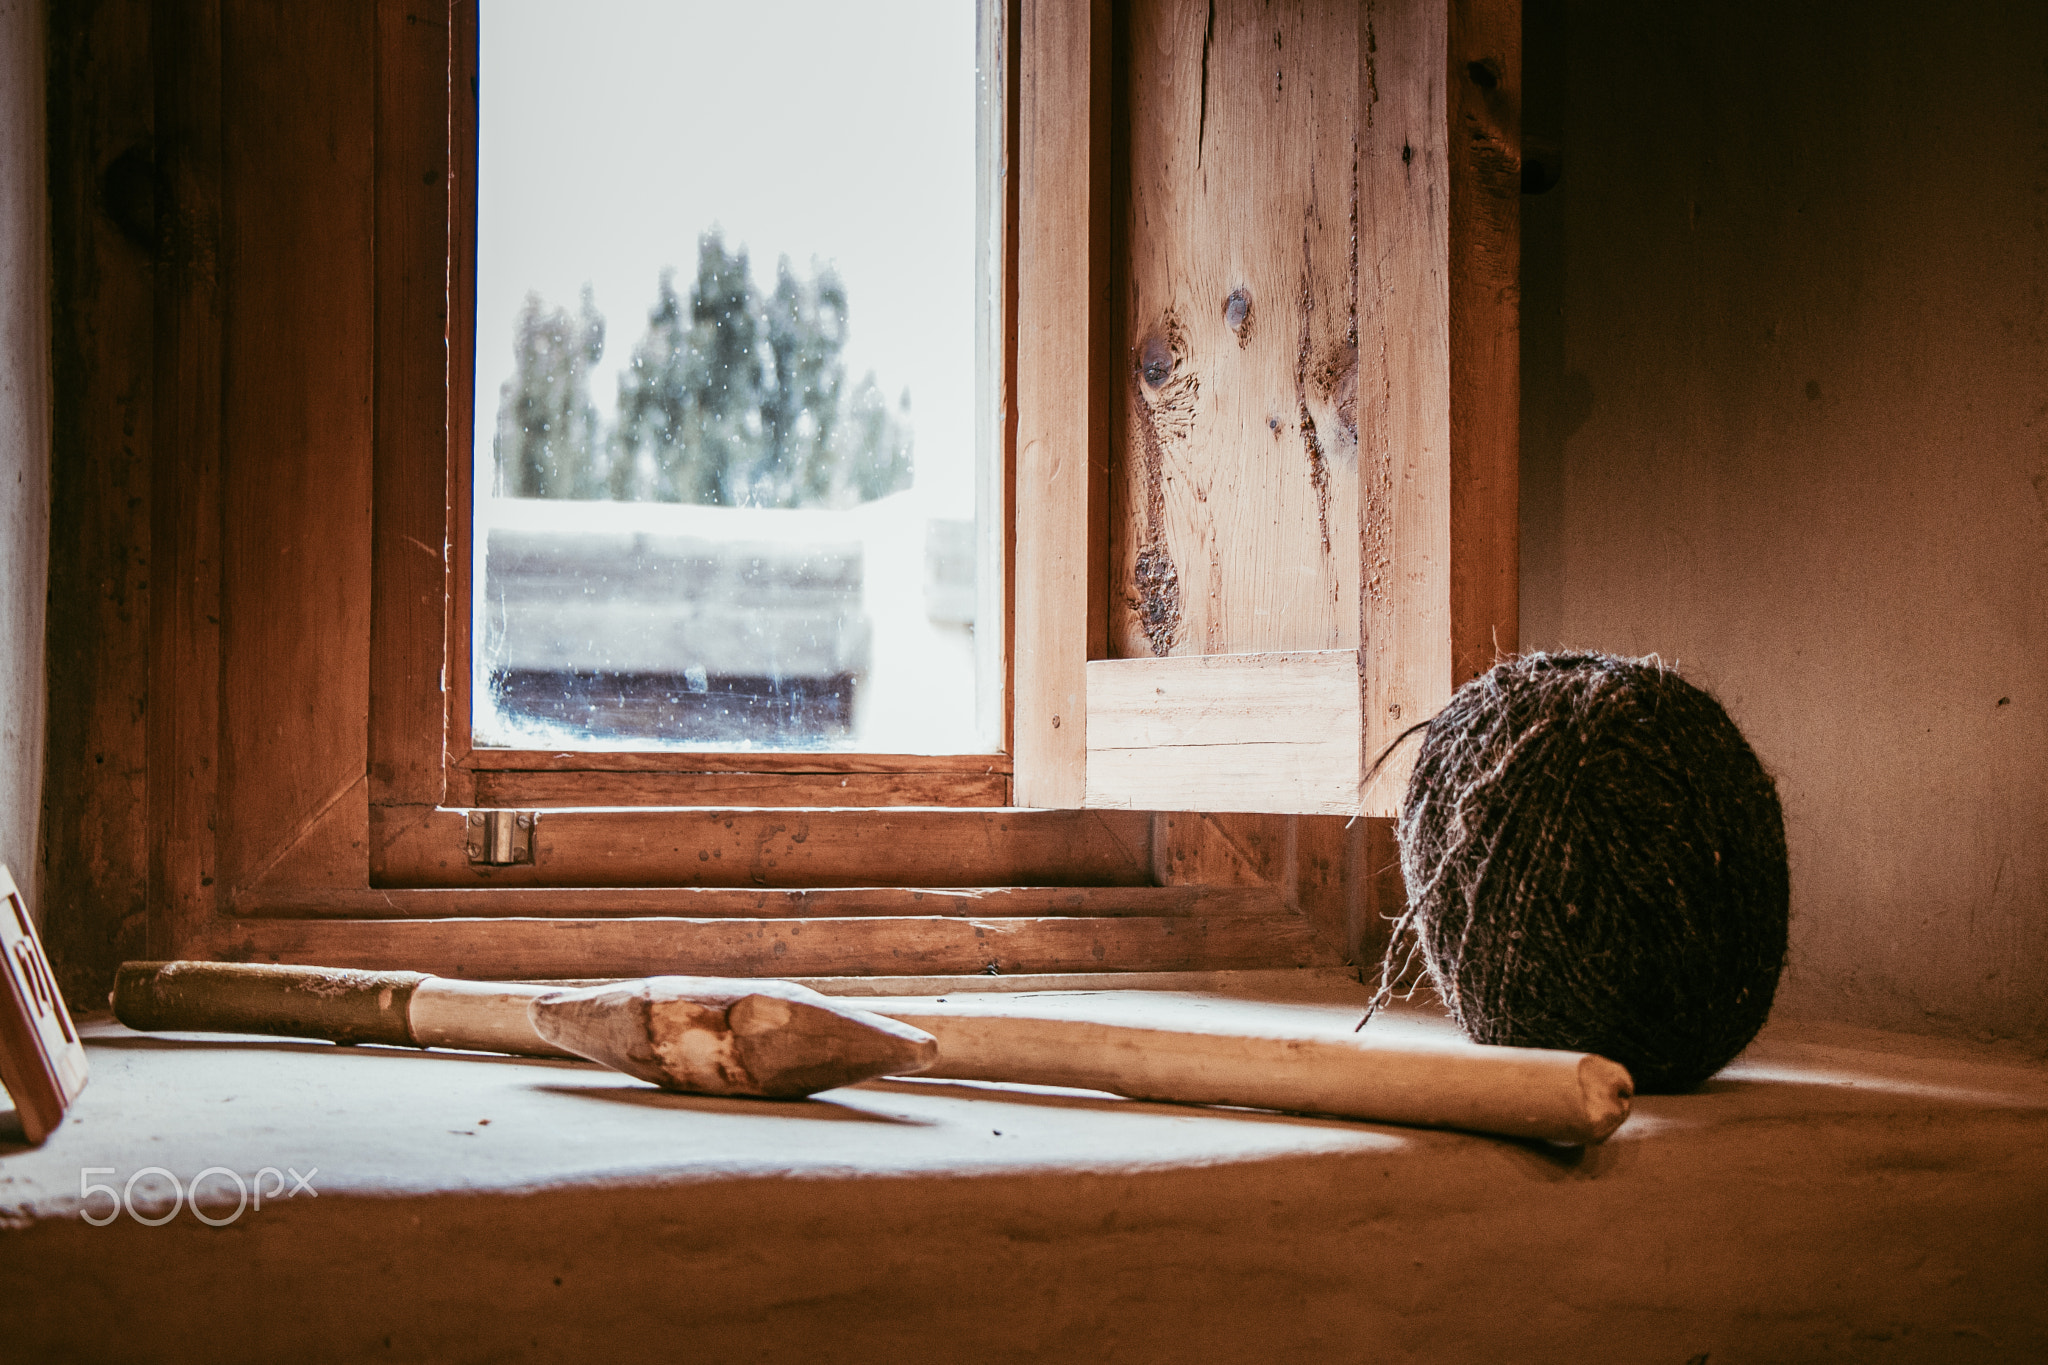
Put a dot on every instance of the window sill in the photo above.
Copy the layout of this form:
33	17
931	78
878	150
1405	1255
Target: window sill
1835	1184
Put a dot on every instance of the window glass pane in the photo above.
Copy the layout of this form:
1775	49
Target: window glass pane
733	383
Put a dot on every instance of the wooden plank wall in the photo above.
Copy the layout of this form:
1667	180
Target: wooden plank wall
104	244
1234	456
298	163
185	520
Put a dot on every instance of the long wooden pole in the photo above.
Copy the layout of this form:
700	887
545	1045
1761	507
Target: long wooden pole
1384	1077
1568	1097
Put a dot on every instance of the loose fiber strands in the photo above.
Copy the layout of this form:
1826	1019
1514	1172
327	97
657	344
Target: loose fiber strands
1595	861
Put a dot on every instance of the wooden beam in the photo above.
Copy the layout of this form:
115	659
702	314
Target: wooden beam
1062	403
1439	227
742	789
185	523
460	459
409	570
752	761
1225	732
700	902
1485	48
530	777
510	949
104	217
655	846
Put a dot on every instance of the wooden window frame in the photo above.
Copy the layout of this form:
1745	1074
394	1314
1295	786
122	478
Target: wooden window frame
309	789
439	765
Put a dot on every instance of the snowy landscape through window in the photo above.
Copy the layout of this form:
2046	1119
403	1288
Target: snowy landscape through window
734	378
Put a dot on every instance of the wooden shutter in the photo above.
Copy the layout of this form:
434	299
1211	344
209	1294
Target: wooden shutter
1267	396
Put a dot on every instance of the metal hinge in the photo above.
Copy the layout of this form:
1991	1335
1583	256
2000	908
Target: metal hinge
500	838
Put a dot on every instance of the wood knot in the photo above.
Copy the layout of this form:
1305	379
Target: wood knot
1237	314
1159	607
1155	361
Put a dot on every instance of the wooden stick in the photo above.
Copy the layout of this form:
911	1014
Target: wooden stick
695	1034
337	1004
1567	1097
479	1016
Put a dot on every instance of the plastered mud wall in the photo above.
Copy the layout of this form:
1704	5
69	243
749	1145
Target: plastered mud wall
1786	424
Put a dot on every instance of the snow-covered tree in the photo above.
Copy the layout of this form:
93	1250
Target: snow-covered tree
547	426
731	398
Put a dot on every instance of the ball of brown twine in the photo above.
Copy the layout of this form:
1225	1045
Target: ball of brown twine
1595	861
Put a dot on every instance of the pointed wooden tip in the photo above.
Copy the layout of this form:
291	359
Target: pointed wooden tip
723	1036
1608	1090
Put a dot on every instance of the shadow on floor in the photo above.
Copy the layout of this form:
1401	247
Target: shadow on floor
154	1043
648	1097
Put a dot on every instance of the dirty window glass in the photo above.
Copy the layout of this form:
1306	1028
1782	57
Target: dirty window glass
734	409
